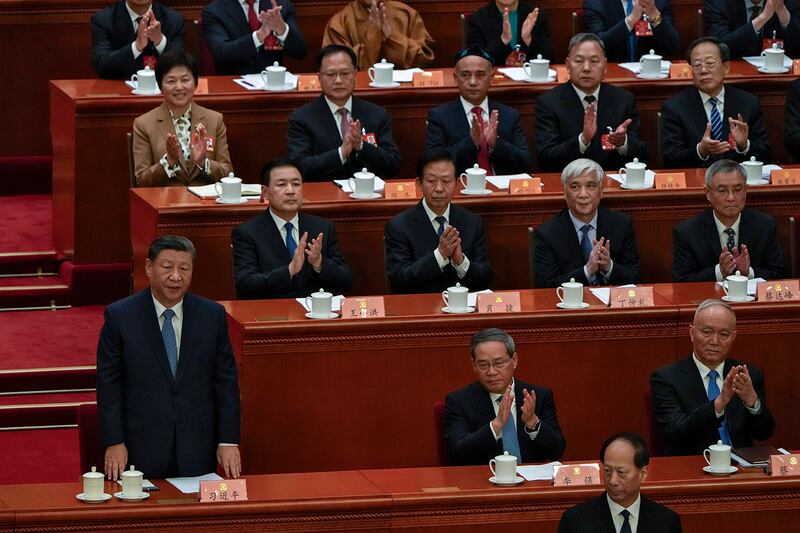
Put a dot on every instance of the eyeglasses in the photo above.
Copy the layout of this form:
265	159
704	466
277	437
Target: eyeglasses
709	64
331	76
723	192
484	366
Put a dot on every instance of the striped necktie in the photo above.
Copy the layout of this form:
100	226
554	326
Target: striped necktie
716	120
631	34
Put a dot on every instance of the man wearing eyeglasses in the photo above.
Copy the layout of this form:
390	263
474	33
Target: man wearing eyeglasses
498	413
711	121
729	237
338	134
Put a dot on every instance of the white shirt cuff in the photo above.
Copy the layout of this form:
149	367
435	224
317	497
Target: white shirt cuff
590	278
607	275
341	156
582	147
623	150
496	436
440	260
756	407
697	149
226	444
256	42
282	36
162	45
718	273
746	148
136	53
461	270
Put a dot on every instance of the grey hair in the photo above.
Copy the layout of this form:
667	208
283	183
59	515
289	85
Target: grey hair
170	242
492	335
723	166
579	167
579	38
713	302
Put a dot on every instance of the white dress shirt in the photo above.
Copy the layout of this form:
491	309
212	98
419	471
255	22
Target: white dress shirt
134	15
337	118
177	320
723	241
616	509
281	224
461	270
592	236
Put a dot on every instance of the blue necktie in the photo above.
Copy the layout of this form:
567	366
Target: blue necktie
170	344
442	221
291	245
631	34
586	243
509	436
713	392
731	244
716	120
626	525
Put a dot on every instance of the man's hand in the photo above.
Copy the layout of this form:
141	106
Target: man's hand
529	408
593	263
603	250
727	264
200	147
783	13
742	259
649	8
504	411
314	253
141	33
708	146
231	461
153	30
173	149
299	257
115	461
743	387
386	22
271	22
475	132
354	131
726	394
589	124
506	35
457	257
619	135
489	133
739	130
766	14
636	14
527	26
448	241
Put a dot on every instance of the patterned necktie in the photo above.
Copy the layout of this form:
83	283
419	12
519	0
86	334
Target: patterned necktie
509	436
291	244
343	125
626	524
586	244
170	344
252	18
731	244
483	151
756	9
589	99
716	120
183	128
631	34
713	392
442	221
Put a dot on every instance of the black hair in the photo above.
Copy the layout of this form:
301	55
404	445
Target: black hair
170	242
176	58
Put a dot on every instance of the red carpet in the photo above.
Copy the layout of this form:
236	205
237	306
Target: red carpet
28	221
39	456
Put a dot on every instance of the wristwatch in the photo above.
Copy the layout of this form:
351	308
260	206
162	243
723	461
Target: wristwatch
535	428
656	20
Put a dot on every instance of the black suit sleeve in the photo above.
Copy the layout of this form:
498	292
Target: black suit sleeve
479	273
553	151
614	36
792	125
772	266
226	385
384	159
636	146
759	145
626	260
719	23
665	35
403	270
541	42
513	152
549	442
466	447
548	270
760	426
677	150
109	62
436	137
251	282
109	381
225	48
300	147
685	266
334	275
295	45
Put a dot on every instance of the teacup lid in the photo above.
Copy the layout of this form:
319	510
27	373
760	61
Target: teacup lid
457	288
94	474
384	64
364	174
539	59
476	169
146	71
275	67
652	55
752	161
775	47
572	283
506	457
321	293
132	472
635	164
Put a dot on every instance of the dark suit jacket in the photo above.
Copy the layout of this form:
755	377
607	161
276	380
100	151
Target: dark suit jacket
558	254
313	140
448	127
143	406
594	516
261	260
559	121
230	39
684	120
112	35
696	246
486	26
792	122
411	240
687	417
606	19
729	21
468	411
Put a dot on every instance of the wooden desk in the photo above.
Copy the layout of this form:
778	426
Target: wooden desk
409	500
362	391
359	227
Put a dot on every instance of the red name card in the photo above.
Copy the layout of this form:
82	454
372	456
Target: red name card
680	70
202	86
671	180
429	78
499	302
400	190
786	290
796	66
784	465
370	307
785	176
576	475
227	490
308	82
561	74
525	186
625	297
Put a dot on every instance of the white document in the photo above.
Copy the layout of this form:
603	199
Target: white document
649	179
336	303
501	182
752	284
758	61
518	73
188	485
472	297
537	472
345	185
405	76
210	191
254	82
604	293
766	170
146	485
635	66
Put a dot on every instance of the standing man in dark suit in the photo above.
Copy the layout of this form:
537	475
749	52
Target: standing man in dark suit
436	244
283	253
167	390
246	36
338	134
707	397
129	34
744	24
616	26
587	118
729	237
792	121
711	121
498	413
585	242
622	508
475	130
501	26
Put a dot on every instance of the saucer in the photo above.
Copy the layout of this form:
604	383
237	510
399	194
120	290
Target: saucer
241	200
104	498
726	472
370	196
660	76
484	192
635	187
381	86
549	79
286	87
765	70
322	317
140	497
137	93
517	481
747	298
454	312
562	305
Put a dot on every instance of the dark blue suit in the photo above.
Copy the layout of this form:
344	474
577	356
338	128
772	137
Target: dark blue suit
486	26
113	33
606	19
594	516
167	422
448	128
729	21
313	140
468	411
230	39
261	260
411	240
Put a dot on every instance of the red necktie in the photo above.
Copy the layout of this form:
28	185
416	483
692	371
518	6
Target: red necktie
252	18
483	152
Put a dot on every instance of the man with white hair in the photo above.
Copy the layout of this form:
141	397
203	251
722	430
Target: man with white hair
593	245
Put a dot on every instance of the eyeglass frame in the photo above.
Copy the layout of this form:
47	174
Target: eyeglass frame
497	365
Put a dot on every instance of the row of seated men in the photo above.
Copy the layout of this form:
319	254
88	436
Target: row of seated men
245	36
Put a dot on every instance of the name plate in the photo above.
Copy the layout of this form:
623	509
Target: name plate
499	302
431	78
671	180
576	475
370	307
562	74
227	490
786	290
308	82
784	465
680	71
202	86
525	186
628	297
400	190
785	176
796	67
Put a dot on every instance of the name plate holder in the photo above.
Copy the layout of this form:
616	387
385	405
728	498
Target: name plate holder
785	176
308	82
670	180
576	475
786	290
796	67
400	190
227	490
429	78
562	74
369	307
630	297
680	70
525	186
784	465
499	302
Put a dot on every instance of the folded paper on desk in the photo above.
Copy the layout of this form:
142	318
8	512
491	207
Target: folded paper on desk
210	191
405	75
188	485
537	472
